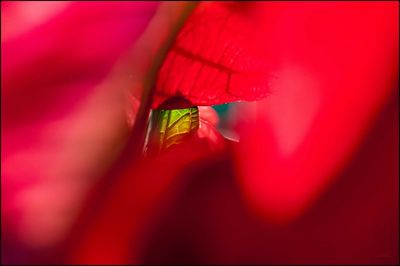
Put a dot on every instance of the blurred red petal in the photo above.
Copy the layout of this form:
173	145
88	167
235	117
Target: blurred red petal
335	68
119	230
61	123
354	222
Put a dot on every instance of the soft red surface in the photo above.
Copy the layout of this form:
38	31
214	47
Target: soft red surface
120	229
355	221
335	68
56	118
190	210
298	188
327	66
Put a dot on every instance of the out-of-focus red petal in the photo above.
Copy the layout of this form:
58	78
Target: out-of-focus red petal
354	222
61	123
118	232
335	64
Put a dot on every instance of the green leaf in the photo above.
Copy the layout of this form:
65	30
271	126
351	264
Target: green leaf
170	127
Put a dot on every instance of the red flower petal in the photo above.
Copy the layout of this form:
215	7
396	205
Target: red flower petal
335	66
59	118
116	233
212	60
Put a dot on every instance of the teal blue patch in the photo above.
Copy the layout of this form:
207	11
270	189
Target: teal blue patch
221	109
